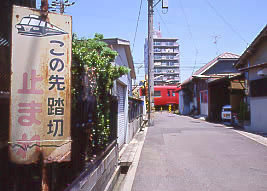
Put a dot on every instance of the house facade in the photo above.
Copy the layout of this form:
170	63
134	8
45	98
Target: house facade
253	63
123	86
194	94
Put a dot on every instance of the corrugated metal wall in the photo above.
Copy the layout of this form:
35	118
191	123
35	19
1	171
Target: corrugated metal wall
121	115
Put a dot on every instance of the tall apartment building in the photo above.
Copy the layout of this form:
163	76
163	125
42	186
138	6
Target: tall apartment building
166	60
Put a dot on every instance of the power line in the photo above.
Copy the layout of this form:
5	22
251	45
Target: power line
139	12
190	33
226	22
183	63
163	21
187	66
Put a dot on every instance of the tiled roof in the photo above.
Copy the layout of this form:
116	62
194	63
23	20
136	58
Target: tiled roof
226	55
186	81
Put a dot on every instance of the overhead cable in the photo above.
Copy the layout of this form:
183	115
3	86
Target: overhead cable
163	21
226	22
138	18
190	34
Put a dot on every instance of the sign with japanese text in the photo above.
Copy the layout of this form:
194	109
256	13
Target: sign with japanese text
40	86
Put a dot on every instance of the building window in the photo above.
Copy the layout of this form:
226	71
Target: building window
157	70
156	43
204	96
173	93
258	88
157	50
169	43
169	93
170	57
157	94
164	63
157	57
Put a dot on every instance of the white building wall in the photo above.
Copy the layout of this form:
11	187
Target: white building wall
258	105
204	109
181	102
125	82
184	103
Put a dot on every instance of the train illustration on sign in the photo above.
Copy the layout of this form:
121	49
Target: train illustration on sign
32	25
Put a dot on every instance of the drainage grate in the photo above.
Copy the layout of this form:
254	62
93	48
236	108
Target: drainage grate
124	169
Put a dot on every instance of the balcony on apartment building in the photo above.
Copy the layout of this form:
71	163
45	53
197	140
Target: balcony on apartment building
165	57
171	51
158	71
166	78
166	65
165	44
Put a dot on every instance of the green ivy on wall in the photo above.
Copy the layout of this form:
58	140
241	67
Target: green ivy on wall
94	57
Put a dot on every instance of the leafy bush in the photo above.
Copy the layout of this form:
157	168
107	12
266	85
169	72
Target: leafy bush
94	58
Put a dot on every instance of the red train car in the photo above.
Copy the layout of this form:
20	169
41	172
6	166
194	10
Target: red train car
165	96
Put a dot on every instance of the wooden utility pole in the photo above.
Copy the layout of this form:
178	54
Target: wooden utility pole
150	65
45	185
44	5
60	5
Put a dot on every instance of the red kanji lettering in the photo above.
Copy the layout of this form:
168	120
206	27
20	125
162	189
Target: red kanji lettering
31	109
34	80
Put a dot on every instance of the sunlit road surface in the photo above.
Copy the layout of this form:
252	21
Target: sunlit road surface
181	153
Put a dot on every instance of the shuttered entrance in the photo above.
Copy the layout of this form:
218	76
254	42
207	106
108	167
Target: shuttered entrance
121	115
204	102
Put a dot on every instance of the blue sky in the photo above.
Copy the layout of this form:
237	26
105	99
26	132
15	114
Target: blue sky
193	22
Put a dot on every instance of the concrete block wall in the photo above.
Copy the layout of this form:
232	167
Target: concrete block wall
98	179
133	127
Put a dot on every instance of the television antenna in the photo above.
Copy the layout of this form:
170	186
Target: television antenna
216	38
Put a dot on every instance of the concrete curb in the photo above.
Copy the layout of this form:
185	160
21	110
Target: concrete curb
129	178
258	138
113	179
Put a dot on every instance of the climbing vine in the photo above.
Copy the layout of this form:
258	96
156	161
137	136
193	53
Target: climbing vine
94	58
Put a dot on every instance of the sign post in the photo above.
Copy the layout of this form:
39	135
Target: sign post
40	87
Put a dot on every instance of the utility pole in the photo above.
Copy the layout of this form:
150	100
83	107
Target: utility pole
44	5
60	5
151	6
150	65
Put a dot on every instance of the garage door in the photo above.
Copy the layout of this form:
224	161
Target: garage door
121	115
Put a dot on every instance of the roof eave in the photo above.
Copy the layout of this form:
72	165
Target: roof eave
248	52
130	61
126	44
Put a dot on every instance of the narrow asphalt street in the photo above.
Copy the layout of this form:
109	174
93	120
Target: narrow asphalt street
185	154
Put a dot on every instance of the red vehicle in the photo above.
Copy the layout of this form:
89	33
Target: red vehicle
165	96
